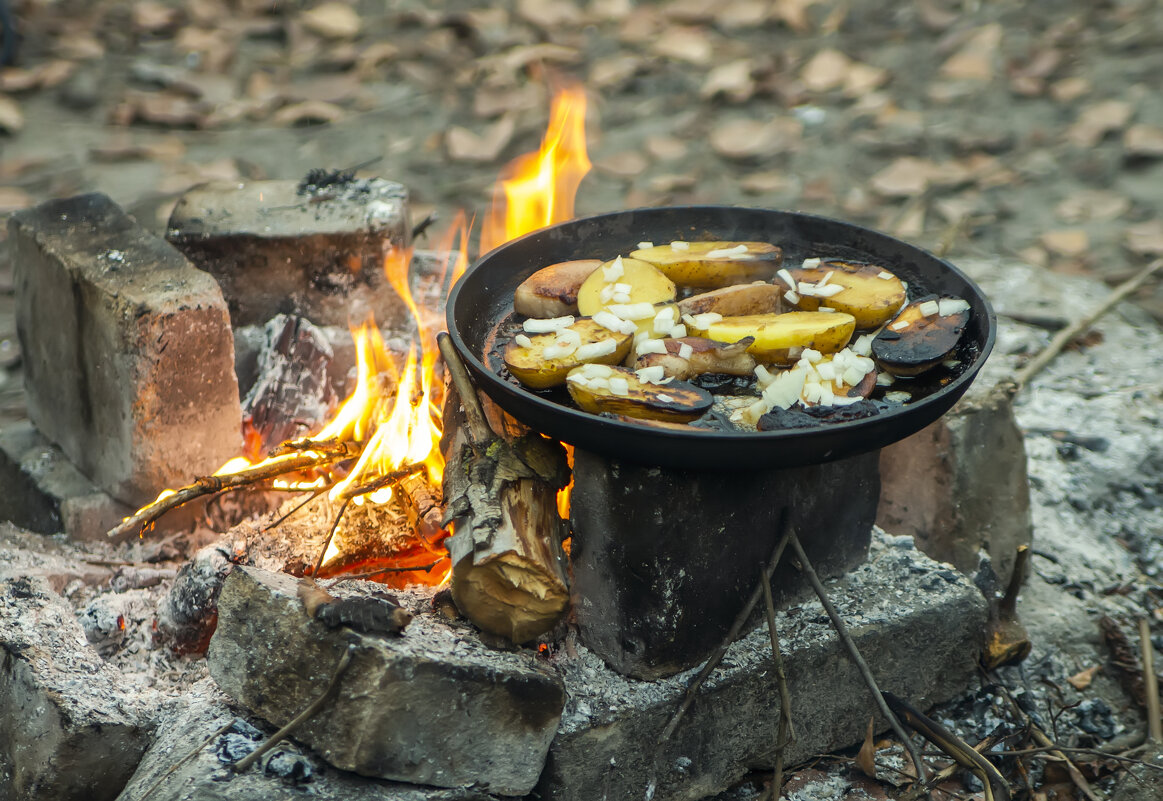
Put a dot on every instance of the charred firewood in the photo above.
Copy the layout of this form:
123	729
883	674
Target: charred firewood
188	614
509	570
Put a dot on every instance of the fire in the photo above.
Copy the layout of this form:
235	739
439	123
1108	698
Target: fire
538	189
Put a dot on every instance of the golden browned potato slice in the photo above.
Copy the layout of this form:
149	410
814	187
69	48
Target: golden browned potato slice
534	369
708	265
620	391
699	356
735	301
643	282
779	338
870	293
552	291
921	337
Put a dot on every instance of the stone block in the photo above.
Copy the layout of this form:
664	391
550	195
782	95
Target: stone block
429	707
286	247
960	486
195	723
66	728
128	354
918	623
47	493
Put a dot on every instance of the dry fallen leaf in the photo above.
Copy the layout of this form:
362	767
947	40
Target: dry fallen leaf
665	148
664	184
1069	242
1145	239
680	43
732	79
626	164
465	145
607	72
1098	205
1068	90
1098	120
11	117
307	113
150	16
905	177
1082	679
549	16
863	79
13	198
866	757
332	21
15	79
825	71
1143	141
976	59
743	14
747	139
611	9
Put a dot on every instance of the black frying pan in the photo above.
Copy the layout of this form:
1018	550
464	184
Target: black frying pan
481	303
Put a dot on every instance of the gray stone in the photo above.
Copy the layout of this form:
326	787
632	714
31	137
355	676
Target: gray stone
66	730
433	706
128	355
193	726
276	247
959	486
47	493
918	623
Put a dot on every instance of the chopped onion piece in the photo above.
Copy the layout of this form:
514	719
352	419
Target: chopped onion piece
829	290
557	351
811	264
614	271
678	244
606	294
791	296
898	397
523	341
899	324
885	379
595	350
885	275
863	344
753	412
826	371
576	377
811	355
951	364
704	320
727	253
664	320
812	392
685	351
645	245
794	353
786	277
827	277
632	311
929	308
947	306
592	371
826	395
845	400
678	332
662	396
619	386
612	322
806	289
650	346
825	309
621	297
568	336
651	375
763	376
599	383
853	376
547	326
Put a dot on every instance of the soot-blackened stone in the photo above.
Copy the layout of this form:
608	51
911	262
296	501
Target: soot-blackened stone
663	560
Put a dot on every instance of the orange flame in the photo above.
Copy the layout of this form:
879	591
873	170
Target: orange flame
538	189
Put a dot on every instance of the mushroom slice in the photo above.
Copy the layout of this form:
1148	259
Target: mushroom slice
707	265
869	293
735	301
779	338
547	358
552	291
617	390
690	356
922	335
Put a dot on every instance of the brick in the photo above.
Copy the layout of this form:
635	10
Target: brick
318	253
919	625
195	721
66	729
960	486
47	493
431	707
128	354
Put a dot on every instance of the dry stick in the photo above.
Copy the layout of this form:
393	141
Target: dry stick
300	718
330	534
785	734
1088	751
1079	327
854	654
383	570
197	750
297	507
1154	719
379	482
209	485
480	433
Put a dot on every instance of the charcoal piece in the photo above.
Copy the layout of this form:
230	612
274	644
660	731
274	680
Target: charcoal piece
369	615
188	613
289	766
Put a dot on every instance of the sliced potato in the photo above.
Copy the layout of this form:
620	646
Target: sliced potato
780	337
700	356
870	293
676	401
552	291
646	283
735	301
708	265
530	366
915	341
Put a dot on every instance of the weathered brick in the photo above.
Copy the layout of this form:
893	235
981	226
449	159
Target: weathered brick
959	486
276	247
66	730
128	353
432	706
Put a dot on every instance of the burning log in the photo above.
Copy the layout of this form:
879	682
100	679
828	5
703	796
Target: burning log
509	570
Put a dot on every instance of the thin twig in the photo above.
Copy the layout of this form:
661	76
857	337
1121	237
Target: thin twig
330	534
1080	326
173	768
1043	751
383	570
209	485
854	654
379	482
1154	718
297	507
785	733
300	718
